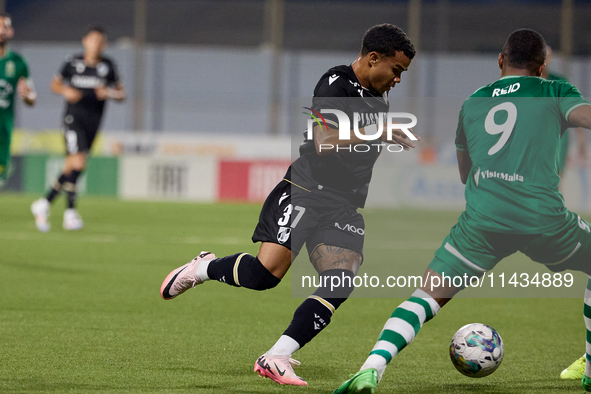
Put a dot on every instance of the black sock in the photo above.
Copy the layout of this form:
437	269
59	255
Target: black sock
57	187
314	314
70	188
242	270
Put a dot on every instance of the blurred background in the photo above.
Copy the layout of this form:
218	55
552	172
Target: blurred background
215	87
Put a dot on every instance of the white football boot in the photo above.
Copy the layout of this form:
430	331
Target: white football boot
40	209
72	220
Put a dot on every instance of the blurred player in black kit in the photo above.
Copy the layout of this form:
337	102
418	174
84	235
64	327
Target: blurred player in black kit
86	81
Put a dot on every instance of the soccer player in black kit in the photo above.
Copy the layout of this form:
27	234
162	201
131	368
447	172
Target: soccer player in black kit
86	81
322	188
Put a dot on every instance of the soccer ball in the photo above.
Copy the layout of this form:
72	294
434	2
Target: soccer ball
476	350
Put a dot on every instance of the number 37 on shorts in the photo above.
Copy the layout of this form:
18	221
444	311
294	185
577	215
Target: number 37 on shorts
290	219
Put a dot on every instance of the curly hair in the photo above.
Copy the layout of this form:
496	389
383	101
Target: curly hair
387	39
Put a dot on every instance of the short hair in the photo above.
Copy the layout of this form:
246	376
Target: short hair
96	28
387	39
525	49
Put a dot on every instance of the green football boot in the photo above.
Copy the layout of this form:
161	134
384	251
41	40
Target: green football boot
574	371
363	382
586	383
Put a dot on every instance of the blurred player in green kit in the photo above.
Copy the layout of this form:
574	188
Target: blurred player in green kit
576	370
14	77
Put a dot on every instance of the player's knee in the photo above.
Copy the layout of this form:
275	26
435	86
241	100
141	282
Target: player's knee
336	286
259	277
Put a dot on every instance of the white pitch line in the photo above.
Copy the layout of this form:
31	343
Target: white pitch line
112	238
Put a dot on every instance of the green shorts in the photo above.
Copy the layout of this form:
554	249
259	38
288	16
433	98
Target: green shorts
468	250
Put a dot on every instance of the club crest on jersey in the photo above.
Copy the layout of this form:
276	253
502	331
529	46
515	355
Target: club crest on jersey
102	69
283	234
80	67
10	69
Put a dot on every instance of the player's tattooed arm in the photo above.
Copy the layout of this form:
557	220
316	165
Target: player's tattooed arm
464	165
327	257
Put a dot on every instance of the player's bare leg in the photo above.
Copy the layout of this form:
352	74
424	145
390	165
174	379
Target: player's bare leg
313	315
400	330
74	165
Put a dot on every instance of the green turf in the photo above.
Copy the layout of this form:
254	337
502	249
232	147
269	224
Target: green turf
81	312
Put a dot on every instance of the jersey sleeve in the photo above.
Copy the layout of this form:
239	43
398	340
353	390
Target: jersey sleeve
330	94
66	70
25	72
569	99
461	141
113	75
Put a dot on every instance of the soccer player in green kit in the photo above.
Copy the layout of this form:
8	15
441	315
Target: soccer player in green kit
14	77
507	141
576	369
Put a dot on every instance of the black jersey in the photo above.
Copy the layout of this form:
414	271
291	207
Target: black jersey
86	78
346	174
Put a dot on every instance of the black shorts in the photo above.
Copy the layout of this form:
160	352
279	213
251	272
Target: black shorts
293	217
79	132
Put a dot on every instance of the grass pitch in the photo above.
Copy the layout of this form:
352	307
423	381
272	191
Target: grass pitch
81	312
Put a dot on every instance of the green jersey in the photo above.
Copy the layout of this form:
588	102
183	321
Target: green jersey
12	67
511	129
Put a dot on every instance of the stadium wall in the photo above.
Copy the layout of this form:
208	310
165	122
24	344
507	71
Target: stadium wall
228	90
178	167
207	115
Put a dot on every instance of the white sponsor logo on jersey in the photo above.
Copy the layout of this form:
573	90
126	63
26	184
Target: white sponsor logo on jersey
485	174
351	228
86	81
6	90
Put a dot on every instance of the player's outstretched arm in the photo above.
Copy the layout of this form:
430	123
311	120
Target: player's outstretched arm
72	95
464	165
117	93
26	91
581	116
